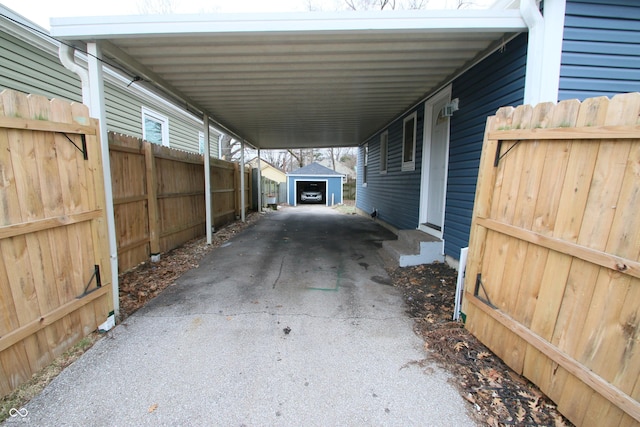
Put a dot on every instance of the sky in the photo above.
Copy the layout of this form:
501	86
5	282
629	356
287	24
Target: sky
39	11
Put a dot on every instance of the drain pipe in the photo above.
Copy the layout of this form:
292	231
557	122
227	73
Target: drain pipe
533	77
67	58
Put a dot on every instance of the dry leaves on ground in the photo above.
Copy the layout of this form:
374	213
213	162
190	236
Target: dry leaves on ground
499	396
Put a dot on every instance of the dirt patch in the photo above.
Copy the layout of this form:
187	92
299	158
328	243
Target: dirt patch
497	395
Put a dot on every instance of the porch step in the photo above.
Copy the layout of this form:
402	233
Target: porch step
413	247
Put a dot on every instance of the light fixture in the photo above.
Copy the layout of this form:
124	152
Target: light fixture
450	108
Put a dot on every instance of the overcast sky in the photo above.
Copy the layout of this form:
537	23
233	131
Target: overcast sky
39	11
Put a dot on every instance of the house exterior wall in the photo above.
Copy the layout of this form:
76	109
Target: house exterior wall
395	195
22	68
334	186
493	83
601	49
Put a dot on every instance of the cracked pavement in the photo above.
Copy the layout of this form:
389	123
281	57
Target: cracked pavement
293	323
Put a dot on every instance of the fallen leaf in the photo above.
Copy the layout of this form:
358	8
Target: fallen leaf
460	345
484	355
153	407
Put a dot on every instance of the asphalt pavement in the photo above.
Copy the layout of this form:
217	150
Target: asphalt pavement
293	322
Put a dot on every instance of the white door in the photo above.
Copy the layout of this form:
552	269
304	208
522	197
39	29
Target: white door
435	156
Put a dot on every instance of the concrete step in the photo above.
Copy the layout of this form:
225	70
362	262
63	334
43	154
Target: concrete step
413	247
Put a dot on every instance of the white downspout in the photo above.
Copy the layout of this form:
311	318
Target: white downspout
533	77
67	58
207	180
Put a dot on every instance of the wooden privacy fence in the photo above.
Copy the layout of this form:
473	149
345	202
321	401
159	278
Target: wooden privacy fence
553	280
159	199
55	275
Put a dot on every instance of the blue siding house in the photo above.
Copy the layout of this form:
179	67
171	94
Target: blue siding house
420	171
316	177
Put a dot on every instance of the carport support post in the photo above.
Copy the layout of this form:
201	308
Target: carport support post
207	179
259	183
242	195
97	110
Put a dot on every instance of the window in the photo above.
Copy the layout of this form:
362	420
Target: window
365	151
409	143
201	142
384	144
155	127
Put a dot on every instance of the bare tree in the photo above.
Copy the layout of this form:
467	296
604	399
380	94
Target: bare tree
370	4
156	7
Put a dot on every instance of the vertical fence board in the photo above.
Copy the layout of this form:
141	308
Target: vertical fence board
569	324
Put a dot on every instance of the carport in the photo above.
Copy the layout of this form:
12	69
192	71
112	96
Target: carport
283	81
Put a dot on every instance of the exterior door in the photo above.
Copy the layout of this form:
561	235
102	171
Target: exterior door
434	164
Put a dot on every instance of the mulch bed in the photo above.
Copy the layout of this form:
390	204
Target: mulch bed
497	395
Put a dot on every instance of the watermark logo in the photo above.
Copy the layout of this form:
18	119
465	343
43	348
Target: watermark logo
22	412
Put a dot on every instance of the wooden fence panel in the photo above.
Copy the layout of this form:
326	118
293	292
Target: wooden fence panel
159	198
553	280
52	233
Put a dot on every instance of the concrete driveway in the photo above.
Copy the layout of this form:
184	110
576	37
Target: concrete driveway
292	323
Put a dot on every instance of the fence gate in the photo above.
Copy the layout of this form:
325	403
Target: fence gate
553	280
55	275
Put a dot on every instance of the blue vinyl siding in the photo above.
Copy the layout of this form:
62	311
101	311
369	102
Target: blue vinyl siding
334	186
601	49
495	82
395	194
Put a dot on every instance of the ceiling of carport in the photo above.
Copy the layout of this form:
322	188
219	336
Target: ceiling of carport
297	80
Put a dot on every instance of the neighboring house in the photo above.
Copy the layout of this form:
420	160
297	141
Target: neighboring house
318	178
273	184
29	63
420	171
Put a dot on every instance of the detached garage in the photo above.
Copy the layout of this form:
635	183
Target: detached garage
313	179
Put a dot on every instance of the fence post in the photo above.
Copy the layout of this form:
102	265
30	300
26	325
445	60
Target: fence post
152	201
236	188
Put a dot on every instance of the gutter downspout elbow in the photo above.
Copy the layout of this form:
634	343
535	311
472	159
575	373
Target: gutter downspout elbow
66	54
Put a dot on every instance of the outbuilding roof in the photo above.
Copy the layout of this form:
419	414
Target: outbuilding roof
314	169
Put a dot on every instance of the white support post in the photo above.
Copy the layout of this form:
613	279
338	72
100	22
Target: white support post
97	110
259	183
207	180
242	183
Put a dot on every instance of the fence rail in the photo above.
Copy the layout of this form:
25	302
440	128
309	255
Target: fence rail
159	198
55	274
553	280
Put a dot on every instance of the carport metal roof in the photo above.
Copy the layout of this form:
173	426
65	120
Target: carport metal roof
297	80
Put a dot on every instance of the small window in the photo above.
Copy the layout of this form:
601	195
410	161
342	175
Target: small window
384	144
201	142
365	151
409	143
155	127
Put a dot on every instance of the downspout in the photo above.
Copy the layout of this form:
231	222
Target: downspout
533	77
67	58
96	110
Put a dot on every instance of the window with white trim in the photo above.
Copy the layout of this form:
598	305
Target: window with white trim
384	150
409	142
155	127
201	142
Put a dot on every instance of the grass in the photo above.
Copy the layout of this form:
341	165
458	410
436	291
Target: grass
27	391
347	208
